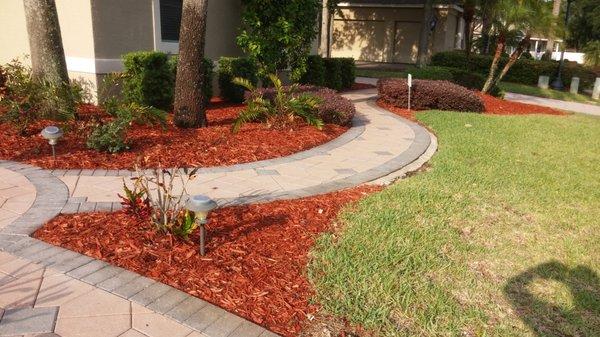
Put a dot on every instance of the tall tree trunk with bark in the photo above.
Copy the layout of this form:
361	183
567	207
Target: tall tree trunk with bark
45	42
500	47
423	52
189	107
523	45
468	16
555	13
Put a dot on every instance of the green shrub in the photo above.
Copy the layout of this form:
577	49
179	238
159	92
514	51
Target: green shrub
230	68
523	71
141	114
109	137
348	67
207	67
526	56
333	73
26	100
148	79
431	73
315	71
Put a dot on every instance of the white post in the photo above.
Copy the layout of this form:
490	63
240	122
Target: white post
409	82
596	94
574	85
543	82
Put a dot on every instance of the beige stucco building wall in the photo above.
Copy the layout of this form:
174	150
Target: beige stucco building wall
390	34
96	33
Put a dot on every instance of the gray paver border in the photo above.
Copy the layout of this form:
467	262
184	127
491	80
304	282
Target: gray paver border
51	196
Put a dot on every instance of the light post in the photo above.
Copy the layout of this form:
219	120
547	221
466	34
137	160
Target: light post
52	134
557	84
201	205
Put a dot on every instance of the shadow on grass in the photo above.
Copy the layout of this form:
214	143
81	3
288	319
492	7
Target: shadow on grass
545	318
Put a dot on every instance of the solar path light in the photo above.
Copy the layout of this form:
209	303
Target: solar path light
52	134
201	205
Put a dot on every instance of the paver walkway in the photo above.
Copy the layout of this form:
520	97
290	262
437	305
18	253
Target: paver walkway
588	109
378	144
49	291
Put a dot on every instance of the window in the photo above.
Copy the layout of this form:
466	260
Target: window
170	19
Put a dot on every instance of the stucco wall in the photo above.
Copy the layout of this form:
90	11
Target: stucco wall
383	34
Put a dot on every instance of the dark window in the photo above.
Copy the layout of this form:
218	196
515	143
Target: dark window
170	19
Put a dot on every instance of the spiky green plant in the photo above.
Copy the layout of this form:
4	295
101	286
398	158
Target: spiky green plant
281	110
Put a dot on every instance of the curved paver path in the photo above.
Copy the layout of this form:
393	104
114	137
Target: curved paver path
47	289
378	144
588	109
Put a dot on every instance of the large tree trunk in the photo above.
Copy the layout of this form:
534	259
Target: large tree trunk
523	45
468	15
423	52
47	53
489	83
325	38
556	13
189	107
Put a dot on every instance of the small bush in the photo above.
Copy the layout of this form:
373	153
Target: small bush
282	110
334	109
431	73
333	74
427	95
141	115
25	99
348	67
230	68
527	56
315	71
473	81
209	73
148	79
109	137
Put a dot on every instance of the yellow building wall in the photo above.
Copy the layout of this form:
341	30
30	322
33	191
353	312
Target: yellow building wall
384	34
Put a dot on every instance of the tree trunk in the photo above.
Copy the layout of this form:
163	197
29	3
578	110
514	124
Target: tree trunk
486	26
555	13
468	15
189	107
489	83
523	45
325	37
423	52
45	42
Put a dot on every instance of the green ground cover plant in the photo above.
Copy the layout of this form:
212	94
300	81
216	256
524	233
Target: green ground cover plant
546	93
499	237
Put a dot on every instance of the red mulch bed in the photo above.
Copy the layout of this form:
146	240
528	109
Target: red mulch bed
256	256
172	147
493	106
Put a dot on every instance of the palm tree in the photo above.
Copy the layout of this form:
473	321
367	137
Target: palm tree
525	16
189	108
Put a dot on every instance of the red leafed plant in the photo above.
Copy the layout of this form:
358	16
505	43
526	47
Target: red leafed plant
135	201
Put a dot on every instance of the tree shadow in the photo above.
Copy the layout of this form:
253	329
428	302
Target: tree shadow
549	319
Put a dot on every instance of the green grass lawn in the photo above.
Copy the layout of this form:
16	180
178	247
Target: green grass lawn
546	93
379	73
500	237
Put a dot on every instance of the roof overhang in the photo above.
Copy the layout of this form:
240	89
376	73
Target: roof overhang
382	5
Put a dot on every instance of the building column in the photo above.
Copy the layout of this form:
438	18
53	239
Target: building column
459	42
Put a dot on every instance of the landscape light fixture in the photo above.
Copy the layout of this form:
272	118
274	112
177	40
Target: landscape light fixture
201	205
52	134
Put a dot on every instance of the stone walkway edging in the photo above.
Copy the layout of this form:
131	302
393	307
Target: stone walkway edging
51	196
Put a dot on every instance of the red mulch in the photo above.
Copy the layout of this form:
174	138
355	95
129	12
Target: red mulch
256	256
497	106
493	106
172	147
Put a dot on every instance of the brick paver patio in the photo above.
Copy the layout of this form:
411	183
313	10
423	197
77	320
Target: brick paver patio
50	291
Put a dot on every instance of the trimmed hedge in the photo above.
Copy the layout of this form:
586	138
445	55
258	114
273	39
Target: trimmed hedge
428	94
523	71
467	79
336	73
149	80
209	73
315	71
230	68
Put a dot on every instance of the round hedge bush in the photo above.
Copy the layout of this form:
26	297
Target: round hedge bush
429	95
